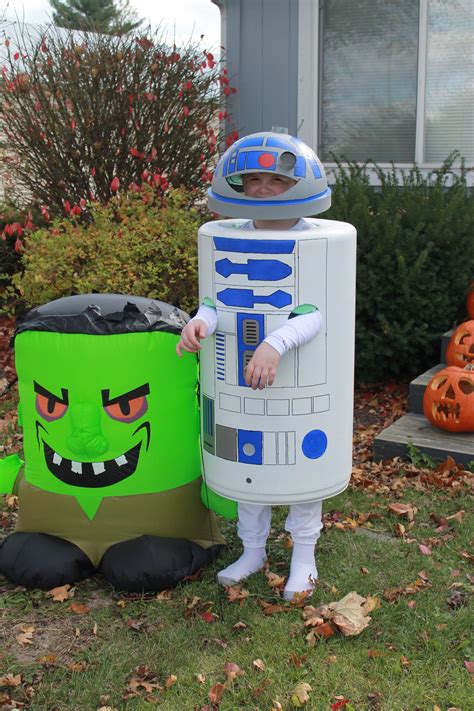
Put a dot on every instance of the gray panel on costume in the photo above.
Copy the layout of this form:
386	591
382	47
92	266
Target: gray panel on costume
226	443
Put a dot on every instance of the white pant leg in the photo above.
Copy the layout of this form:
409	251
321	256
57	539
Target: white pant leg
254	524
304	522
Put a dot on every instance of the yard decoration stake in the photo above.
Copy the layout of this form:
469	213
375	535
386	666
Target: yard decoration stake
111	480
448	401
460	350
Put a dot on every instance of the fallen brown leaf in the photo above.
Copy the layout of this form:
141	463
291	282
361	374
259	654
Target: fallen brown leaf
11	680
79	609
239	626
349	614
26	636
400	509
300	694
235	592
170	681
61	593
216	693
259	664
274	580
322	631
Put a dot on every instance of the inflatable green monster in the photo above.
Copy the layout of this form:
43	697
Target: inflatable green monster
111	440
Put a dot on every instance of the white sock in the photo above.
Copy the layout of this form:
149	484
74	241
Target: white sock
251	560
303	571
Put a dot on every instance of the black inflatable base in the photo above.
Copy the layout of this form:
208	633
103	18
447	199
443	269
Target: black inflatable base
148	563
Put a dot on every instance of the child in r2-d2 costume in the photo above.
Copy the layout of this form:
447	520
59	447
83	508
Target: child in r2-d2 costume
275	287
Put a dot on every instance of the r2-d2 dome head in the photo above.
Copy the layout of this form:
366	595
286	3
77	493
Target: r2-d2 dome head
279	154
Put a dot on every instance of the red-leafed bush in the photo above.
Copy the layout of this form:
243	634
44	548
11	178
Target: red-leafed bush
85	115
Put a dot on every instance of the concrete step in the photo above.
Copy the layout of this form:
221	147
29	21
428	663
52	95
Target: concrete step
417	388
415	428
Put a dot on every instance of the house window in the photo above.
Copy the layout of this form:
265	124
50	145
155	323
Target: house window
396	80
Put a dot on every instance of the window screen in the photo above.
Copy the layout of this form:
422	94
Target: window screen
369	79
449	99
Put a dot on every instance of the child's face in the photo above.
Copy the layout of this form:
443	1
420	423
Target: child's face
261	185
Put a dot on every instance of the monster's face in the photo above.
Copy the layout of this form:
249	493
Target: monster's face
111	415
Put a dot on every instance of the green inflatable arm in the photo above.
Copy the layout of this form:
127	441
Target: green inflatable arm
219	504
9	468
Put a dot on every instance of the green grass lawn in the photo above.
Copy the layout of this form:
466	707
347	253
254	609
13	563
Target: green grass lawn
411	656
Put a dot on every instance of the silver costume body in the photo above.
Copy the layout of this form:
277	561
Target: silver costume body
292	442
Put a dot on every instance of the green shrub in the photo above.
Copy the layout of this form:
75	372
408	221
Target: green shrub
415	262
137	244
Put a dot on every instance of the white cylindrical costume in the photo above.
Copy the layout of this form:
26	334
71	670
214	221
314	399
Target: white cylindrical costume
291	442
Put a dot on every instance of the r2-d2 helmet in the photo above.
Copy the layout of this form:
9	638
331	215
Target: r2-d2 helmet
282	155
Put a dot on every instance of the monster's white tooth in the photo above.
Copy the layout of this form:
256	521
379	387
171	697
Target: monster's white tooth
76	467
98	467
121	460
57	459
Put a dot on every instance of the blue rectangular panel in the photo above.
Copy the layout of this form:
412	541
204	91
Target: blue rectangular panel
232	162
241	161
250	333
315	167
300	167
273	142
254	246
250	447
252	160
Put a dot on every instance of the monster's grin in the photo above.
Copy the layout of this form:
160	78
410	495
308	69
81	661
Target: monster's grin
92	474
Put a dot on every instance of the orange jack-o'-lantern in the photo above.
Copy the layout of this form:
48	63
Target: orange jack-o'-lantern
448	402
460	349
470	301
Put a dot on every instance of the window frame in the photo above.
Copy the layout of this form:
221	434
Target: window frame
310	49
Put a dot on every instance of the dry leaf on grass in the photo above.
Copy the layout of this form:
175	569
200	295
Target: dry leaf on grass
239	626
300	694
61	593
235	592
424	550
350	614
215	694
26	635
10	680
232	671
79	609
400	509
274	580
322	631
170	681
259	664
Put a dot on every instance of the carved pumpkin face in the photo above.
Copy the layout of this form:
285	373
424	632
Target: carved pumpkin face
448	402
460	350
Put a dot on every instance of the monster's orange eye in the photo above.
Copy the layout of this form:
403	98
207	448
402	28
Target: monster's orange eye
50	406
127	410
127	407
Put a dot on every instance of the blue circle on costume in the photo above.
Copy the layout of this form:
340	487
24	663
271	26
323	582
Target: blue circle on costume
314	444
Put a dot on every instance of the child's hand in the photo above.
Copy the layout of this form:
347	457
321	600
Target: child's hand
190	337
262	367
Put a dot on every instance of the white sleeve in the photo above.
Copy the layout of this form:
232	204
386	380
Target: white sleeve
296	332
209	316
